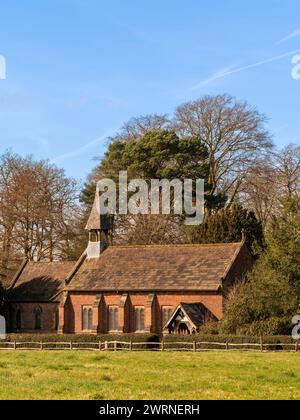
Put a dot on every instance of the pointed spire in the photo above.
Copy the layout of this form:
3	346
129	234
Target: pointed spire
96	221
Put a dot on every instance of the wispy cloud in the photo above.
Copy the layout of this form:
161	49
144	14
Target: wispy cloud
292	35
224	73
80	150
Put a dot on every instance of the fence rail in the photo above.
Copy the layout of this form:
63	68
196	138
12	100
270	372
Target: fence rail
163	346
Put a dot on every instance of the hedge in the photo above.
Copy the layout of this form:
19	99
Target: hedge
81	338
233	339
275	342
141	338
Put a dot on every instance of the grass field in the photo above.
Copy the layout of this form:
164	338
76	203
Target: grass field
85	375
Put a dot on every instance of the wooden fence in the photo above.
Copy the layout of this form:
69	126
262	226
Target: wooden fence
162	346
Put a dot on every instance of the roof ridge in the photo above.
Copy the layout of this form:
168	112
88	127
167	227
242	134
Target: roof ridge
52	262
18	274
233	260
176	245
76	267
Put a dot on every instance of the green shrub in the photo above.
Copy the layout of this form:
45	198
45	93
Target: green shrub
211	328
81	338
272	326
231	339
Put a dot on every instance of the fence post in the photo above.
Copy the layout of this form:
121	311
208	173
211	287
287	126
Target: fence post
261	343
42	346
297	346
105	346
162	345
195	346
227	345
130	345
115	346
71	345
15	345
99	345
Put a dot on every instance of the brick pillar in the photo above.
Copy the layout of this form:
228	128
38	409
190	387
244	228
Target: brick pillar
97	316
149	319
123	313
62	314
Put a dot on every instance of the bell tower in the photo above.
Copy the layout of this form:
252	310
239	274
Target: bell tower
98	228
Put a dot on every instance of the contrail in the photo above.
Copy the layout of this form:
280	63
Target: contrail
77	152
290	36
221	75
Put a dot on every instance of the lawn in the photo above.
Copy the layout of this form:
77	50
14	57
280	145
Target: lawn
97	376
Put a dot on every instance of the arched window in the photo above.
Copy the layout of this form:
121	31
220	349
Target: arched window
2	328
113	318
87	318
94	236
56	319
139	319
18	320
38	318
90	319
84	319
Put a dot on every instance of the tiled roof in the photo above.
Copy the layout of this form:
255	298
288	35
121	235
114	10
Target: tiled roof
197	313
156	268
40	282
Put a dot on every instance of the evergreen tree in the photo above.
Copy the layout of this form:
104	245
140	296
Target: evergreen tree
270	298
283	254
157	155
229	225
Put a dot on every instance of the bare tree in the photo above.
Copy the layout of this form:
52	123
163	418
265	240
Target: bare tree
139	126
287	165
146	230
260	191
234	134
7	220
270	182
37	206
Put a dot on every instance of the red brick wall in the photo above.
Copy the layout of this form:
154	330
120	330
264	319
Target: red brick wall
152	305
28	317
73	311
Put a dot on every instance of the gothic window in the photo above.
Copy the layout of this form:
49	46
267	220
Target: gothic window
94	236
19	320
56	319
84	319
90	319
139	319
167	312
38	318
87	318
113	318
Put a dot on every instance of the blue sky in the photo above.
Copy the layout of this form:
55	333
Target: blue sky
77	69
